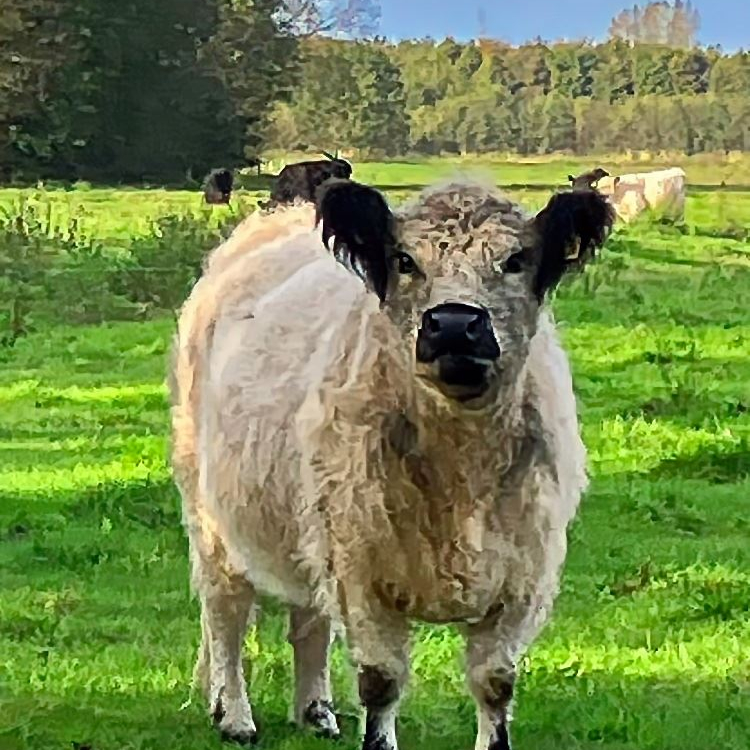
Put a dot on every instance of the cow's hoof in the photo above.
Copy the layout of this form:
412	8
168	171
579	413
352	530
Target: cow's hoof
321	719
378	743
244	738
233	721
501	740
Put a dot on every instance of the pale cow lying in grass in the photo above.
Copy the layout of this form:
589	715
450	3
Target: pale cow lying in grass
661	192
381	434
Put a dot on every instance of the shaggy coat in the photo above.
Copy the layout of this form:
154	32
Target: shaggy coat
321	462
302	180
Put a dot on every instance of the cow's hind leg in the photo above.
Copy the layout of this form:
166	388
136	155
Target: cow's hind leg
310	636
226	607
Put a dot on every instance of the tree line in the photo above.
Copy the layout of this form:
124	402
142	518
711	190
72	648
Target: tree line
427	97
107	90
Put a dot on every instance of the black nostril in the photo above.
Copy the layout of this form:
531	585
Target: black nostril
474	328
432	323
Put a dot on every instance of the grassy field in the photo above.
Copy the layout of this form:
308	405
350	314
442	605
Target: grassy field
649	646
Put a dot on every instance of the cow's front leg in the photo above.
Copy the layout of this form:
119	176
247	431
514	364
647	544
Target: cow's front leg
380	647
493	649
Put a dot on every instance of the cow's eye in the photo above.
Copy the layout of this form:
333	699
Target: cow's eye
512	265
406	264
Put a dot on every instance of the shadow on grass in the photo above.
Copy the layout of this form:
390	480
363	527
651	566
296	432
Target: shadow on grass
553	710
714	465
267	181
563	184
710	465
148	503
685	408
133	426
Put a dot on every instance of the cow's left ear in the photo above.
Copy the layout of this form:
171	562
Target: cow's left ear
567	233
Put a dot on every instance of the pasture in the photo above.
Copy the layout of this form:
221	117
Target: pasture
649	645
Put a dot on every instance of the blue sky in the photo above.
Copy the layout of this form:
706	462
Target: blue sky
724	22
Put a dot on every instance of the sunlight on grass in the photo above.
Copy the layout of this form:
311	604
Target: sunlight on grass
647	646
81	476
78	395
637	445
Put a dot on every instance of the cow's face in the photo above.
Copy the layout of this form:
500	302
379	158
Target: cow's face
467	272
467	319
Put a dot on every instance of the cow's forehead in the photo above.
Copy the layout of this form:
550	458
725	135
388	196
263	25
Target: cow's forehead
457	220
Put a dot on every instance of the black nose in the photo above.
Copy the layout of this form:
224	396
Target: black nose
456	329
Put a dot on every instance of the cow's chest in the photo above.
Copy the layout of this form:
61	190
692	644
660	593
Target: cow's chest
458	533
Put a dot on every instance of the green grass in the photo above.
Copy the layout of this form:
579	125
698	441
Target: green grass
648	647
117	215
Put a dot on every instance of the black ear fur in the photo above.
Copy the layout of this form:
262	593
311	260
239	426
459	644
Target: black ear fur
359	219
582	217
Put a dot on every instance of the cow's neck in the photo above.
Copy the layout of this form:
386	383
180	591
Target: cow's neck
459	448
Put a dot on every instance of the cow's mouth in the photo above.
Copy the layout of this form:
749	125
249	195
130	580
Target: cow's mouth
457	376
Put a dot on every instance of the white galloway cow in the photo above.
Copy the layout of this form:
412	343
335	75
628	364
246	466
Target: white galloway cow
380	434
661	192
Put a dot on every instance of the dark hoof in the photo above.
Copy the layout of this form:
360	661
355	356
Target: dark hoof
501	740
374	740
378	743
240	738
320	717
244	738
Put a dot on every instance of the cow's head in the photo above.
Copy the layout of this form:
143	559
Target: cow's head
339	167
463	273
221	182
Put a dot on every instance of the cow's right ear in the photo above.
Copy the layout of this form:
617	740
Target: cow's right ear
361	223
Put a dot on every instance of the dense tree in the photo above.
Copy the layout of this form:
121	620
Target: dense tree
138	91
146	53
559	123
323	107
381	123
595	126
731	75
689	72
564	73
38	96
256	64
588	63
738	129
528	111
651	71
614	78
657	23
